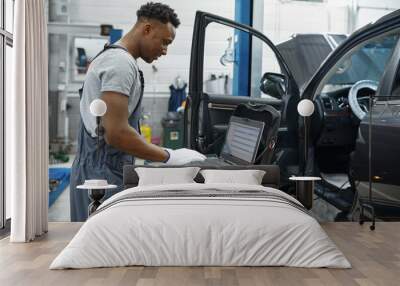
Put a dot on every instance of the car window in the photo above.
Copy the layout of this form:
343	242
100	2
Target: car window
366	61
228	55
391	103
269	63
396	86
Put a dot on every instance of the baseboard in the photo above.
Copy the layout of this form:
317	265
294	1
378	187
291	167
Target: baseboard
5	231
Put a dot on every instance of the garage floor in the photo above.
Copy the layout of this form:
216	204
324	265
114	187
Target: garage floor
374	255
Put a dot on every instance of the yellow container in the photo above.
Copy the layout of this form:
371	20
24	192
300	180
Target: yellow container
146	132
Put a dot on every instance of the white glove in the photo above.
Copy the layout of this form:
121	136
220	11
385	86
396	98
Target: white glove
183	156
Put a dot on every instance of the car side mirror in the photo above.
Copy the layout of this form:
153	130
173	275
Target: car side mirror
274	84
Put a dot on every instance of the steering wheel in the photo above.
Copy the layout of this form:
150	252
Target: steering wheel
360	109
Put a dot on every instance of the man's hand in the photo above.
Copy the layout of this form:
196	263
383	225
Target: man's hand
183	156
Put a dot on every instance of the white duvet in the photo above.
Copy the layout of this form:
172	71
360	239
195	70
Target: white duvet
200	231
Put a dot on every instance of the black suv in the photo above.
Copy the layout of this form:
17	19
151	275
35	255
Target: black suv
354	132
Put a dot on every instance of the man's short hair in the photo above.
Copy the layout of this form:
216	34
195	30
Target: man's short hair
160	12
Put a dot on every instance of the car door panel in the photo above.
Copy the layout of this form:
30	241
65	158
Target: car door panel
215	112
378	145
207	114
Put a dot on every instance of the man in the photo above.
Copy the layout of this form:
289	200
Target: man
114	77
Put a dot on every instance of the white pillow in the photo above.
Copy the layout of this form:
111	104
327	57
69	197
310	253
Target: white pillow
248	177
166	176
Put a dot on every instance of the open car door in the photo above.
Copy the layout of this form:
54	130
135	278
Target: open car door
222	78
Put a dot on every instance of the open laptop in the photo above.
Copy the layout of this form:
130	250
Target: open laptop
241	143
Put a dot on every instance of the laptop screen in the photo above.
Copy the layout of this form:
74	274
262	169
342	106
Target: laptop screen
242	140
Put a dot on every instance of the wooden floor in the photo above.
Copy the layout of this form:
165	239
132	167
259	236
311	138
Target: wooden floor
374	255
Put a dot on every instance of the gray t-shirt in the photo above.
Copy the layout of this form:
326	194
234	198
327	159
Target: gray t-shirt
114	70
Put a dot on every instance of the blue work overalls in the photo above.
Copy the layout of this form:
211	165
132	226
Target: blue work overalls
104	162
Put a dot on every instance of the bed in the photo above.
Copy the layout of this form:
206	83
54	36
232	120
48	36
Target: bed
197	224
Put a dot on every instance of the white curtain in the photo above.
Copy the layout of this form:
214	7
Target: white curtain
27	123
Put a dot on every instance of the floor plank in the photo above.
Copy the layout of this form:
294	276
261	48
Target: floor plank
374	255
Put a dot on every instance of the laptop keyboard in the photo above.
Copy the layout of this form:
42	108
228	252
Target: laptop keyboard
210	162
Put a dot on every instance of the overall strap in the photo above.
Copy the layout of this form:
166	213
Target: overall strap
106	47
141	78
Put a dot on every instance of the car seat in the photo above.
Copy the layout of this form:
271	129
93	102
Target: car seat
271	118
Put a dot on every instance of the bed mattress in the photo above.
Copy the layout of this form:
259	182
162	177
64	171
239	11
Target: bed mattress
201	225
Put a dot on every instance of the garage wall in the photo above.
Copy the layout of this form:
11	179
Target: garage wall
281	19
367	10
122	14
